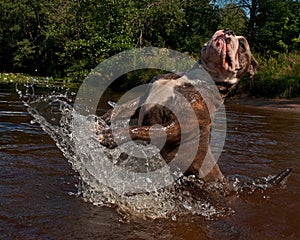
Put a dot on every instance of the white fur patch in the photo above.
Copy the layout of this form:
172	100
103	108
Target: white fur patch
164	89
232	80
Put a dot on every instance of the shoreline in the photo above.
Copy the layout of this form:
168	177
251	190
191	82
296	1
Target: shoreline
291	105
288	105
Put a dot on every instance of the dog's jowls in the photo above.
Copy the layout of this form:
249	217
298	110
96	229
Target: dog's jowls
226	57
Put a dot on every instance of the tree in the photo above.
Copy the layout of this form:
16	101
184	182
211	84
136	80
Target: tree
202	20
21	24
278	26
97	30
272	25
181	25
70	37
251	6
235	18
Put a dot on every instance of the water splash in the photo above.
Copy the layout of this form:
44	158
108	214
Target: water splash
75	136
245	184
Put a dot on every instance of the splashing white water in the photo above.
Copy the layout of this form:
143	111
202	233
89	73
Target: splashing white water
75	136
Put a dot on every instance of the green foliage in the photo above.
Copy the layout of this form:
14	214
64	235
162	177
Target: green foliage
68	38
234	17
278	26
278	77
273	30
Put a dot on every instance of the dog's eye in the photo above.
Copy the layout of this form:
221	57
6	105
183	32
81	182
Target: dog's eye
242	45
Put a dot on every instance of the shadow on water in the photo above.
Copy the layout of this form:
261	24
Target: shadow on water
39	187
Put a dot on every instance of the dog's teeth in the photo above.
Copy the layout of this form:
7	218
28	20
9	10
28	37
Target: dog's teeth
228	60
112	104
100	137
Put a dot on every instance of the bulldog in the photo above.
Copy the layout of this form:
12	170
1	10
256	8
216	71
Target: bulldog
226	57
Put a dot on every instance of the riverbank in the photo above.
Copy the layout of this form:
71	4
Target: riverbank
282	104
37	80
277	77
290	105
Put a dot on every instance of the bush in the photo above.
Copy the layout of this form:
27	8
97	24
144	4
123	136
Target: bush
277	77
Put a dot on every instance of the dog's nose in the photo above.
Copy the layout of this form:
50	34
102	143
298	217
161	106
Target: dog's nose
228	40
228	31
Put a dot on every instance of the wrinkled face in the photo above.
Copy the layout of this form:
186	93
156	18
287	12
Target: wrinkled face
227	57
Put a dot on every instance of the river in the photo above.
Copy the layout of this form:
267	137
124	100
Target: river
39	198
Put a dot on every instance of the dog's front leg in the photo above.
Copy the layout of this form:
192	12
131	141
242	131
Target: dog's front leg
209	170
122	111
168	133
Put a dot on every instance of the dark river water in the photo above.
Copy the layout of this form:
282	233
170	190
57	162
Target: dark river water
38	186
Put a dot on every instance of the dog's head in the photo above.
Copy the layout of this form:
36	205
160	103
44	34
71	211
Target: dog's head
227	57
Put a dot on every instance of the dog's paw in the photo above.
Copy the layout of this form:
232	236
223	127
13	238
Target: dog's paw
106	139
106	117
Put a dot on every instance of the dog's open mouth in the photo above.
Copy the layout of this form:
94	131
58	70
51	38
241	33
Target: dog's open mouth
225	48
228	60
220	55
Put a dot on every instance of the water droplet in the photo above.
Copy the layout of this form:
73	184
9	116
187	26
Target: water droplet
148	180
186	206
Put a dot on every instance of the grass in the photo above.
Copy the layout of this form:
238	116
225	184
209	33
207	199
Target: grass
277	77
38	80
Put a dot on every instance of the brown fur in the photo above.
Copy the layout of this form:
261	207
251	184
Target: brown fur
227	58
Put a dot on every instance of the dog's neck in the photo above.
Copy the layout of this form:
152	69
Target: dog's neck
225	87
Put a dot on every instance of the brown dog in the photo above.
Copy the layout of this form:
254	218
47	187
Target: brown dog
226	57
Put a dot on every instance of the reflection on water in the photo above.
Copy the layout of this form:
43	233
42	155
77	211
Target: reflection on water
38	185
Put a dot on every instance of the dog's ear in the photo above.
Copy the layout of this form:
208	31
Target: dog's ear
246	58
253	67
